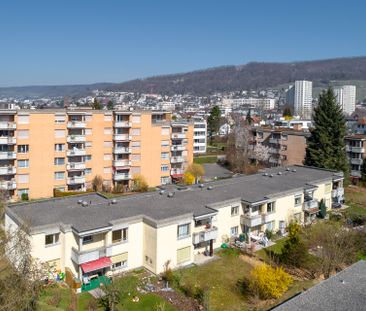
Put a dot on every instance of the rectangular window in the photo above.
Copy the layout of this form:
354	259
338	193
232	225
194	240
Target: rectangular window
183	231
23	163
59	161
23	134
51	239
119	235
88	131
297	200
135	144
164	168
164	180
234	231
270	207
23	148
165	143
87	118
87	239
59	147
234	210
107	131
88	171
165	155
119	265
136	132
88	144
107	117
107	144
107	157
135	157
88	157
23	119
60	119
136	119
165	131
107	170
60	133
135	170
59	175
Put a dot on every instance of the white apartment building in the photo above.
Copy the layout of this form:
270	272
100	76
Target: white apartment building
199	136
346	98
300	96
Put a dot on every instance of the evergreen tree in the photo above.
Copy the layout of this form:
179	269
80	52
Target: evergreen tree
249	118
110	105
213	122
322	209
96	105
325	146
363	171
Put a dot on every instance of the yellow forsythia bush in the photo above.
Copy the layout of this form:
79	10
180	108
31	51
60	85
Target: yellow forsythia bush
189	178
269	282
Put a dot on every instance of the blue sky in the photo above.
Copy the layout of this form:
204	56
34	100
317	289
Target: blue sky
86	41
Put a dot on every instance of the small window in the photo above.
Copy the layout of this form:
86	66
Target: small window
51	239
183	231
107	131
59	161
136	119
270	207
59	147
164	168
234	210
165	155
234	231
59	175
107	157
88	157
107	144
23	148
23	119
88	131
87	239
165	143
297	200
88	144
23	178
119	235
136	132
88	171
120	265
60	119
23	163
165	131
107	170
60	133
23	134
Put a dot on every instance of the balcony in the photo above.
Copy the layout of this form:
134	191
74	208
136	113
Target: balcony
339	192
121	176
8	140
118	163
8	126
7	170
355	149
356	161
274	160
8	155
356	173
251	221
310	204
122	137
8	185
80	257
176	171
268	217
176	159
206	235
179	135
76	166
121	150
76	138
76	125
274	150
76	180
122	124
76	152
275	141
178	148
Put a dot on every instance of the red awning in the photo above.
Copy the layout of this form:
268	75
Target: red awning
177	175
96	264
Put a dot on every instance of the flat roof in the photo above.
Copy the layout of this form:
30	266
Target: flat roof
159	208
344	291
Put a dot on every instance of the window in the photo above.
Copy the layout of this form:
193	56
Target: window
136	119
120	265
107	131
165	155
23	148
107	117
59	147
107	144
107	170
88	171
87	118
164	180
88	144
51	239
297	200
135	170
23	119
270	225
107	157
60	119
21	191
234	210
23	163
60	133
164	131
135	144
136	157
234	231
59	161
23	134
136	132
88	131
88	157
119	235
183	231
270	207
59	175
165	143
164	168
87	239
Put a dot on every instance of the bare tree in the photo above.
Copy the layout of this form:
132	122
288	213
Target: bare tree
97	183
261	153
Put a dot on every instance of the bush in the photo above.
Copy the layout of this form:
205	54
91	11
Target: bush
189	178
269	234
268	282
97	183
139	184
25	197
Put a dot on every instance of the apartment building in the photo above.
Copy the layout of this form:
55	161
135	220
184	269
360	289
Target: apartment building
46	150
346	98
286	146
355	148
200	136
91	235
300	97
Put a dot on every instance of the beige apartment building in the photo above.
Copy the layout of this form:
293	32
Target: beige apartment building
286	146
92	236
44	150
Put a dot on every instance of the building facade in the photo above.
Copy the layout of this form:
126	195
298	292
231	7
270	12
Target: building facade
355	148
46	150
300	97
346	98
200	136
91	235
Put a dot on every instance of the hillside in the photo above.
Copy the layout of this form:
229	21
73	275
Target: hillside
227	78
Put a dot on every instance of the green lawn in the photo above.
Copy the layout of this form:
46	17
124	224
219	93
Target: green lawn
205	159
276	248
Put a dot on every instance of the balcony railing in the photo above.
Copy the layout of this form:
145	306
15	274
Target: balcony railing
76	166
275	140
311	204
76	180
122	137
356	173
7	170
179	135
8	185
268	217
8	140
80	257
118	163
339	192
76	124
76	138
121	150
8	125
176	171
121	176
178	147
76	152
122	124
355	149
205	235
177	159
356	161
7	155
251	221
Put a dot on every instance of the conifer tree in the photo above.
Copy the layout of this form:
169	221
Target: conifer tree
325	146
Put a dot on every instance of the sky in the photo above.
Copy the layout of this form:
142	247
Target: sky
45	42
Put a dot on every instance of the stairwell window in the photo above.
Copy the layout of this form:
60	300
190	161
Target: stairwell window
120	235
234	210
270	207
52	239
183	231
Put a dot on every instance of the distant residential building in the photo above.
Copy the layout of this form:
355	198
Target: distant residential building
199	136
355	147
300	97
346	98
